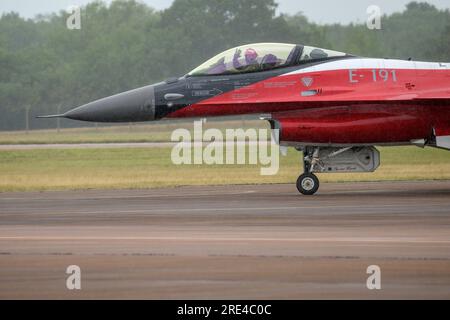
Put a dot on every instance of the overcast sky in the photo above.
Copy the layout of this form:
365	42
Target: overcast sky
321	11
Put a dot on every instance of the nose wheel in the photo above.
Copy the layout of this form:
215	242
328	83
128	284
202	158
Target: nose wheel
308	184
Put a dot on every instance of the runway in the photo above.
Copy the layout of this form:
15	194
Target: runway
222	242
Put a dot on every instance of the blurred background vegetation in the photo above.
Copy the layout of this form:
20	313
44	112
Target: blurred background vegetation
46	68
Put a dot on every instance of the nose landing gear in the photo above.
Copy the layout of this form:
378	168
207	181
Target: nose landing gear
308	183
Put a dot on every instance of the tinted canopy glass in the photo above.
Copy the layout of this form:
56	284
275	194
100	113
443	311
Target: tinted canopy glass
312	53
248	58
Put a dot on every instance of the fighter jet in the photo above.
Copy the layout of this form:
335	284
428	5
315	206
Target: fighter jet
334	107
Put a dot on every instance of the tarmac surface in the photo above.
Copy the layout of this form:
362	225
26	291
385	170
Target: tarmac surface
228	242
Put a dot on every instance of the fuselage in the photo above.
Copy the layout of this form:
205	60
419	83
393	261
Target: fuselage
336	99
345	101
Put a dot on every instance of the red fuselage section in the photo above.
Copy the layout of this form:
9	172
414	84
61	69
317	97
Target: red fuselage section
350	101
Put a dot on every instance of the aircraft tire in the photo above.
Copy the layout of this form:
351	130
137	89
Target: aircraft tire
307	184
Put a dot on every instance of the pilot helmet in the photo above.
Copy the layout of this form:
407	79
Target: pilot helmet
250	55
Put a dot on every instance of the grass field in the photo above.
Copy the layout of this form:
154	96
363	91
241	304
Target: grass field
151	132
56	169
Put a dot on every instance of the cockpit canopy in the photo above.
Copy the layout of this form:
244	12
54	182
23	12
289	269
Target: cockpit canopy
261	57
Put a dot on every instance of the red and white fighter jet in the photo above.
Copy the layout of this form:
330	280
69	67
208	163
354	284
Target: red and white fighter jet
333	106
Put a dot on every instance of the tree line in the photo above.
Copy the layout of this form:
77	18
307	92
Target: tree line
46	67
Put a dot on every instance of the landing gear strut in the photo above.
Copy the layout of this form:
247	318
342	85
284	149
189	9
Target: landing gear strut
308	183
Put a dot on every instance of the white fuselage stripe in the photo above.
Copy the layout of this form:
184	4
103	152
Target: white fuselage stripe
364	63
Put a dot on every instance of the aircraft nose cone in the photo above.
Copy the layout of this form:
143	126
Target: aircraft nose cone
134	105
